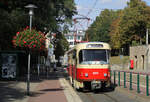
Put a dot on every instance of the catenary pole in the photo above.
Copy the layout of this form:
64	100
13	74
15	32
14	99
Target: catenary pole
147	50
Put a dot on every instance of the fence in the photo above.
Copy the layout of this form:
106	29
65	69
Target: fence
130	78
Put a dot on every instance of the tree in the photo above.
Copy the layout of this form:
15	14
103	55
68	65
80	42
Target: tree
134	22
99	30
61	45
130	27
50	14
115	36
122	28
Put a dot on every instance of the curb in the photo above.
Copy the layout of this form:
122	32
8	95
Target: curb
69	92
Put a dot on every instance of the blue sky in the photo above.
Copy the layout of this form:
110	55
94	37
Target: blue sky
92	8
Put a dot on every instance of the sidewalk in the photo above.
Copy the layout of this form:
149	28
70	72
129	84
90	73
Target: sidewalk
48	91
53	88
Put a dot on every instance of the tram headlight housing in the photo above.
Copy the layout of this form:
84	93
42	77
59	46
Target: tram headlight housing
86	75
105	74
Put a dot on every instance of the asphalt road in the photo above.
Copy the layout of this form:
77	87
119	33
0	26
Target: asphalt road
106	96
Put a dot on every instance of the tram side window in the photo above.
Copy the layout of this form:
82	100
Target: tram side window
80	57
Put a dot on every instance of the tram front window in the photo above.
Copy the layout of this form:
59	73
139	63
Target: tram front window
93	56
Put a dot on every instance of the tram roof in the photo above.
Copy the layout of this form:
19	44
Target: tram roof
92	43
83	45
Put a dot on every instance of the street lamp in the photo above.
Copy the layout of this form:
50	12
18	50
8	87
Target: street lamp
30	7
31	13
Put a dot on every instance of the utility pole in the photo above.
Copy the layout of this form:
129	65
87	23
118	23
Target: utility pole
147	50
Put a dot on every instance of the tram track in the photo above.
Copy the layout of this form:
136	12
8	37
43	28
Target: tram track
111	98
91	97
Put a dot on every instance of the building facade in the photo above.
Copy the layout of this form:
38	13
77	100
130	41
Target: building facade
141	57
74	37
50	47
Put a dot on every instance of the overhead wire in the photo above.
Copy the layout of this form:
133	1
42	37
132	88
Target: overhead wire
84	17
92	8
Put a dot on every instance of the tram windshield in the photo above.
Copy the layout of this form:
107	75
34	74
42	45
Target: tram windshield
94	56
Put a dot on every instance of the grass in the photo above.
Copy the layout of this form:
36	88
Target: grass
118	60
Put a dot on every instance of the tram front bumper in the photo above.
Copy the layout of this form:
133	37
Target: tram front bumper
96	85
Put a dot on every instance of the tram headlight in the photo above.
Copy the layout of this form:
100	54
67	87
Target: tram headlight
86	75
105	74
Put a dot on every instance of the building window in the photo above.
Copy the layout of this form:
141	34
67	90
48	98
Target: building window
67	37
71	43
78	38
71	37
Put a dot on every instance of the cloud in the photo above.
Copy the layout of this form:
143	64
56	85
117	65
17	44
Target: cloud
79	7
120	4
112	1
105	1
113	4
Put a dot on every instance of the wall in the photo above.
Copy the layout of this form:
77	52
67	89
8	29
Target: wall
139	55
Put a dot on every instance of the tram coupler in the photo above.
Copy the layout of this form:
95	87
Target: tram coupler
96	84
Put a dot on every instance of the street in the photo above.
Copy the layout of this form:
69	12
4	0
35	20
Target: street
106	95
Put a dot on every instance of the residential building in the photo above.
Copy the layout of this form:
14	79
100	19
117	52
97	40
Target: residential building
74	37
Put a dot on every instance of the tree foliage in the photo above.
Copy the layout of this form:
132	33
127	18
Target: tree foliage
50	14
122	28
61	45
134	22
99	30
114	33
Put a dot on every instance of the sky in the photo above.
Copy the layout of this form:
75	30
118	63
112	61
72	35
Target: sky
92	8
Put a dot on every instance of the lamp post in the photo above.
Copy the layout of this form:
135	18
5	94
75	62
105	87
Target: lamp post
30	7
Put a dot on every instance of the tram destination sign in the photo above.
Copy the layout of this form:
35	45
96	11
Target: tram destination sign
94	45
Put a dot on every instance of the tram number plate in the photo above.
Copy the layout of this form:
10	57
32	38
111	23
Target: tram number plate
95	73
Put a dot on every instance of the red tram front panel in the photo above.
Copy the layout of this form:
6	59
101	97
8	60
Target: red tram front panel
93	74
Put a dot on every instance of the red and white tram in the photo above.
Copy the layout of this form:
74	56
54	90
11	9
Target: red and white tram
88	65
